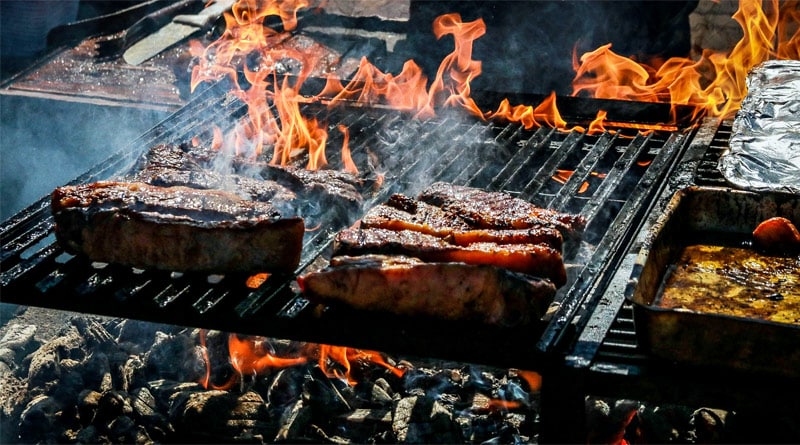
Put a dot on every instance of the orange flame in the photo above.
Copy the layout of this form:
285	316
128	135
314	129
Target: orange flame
347	161
544	114
252	356
344	357
715	83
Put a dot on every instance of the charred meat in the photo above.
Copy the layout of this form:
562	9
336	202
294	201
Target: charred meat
411	287
403	213
168	165
497	210
533	259
175	228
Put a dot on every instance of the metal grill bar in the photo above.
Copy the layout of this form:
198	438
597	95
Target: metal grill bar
411	154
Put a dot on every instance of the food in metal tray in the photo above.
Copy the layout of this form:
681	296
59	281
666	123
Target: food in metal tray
175	228
735	281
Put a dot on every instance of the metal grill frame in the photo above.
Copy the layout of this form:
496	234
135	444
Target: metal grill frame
278	310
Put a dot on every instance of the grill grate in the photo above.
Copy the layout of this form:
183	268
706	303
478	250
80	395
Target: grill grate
613	177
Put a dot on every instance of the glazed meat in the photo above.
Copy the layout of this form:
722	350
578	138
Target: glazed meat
404	213
411	287
175	228
533	259
496	210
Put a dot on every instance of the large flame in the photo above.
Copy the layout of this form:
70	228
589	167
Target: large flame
714	84
248	52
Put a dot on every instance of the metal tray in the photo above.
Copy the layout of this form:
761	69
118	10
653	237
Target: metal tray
701	338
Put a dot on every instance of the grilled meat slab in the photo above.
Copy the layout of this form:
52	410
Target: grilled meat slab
403	213
327	187
451	291
497	210
534	259
175	228
168	165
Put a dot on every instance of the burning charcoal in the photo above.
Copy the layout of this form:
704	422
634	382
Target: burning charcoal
286	386
420	419
174	357
70	382
322	396
217	416
607	424
88	401
122	430
97	372
294	421
111	405
138	336
133	374
709	425
44	370
13	396
145	409
90	434
38	421
372	395
367	422
95	334
659	424
17	342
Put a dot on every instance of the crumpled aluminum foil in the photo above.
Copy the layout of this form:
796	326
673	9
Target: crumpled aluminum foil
764	153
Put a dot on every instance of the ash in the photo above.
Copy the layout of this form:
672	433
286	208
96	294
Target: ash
100	380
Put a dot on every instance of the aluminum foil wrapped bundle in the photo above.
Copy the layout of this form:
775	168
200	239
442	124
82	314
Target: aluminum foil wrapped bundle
764	149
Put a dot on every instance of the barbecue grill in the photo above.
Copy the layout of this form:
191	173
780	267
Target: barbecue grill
586	345
466	151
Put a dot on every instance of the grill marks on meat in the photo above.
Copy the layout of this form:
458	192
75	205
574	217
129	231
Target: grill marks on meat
411	287
175	228
296	190
533	259
454	253
403	213
169	165
497	210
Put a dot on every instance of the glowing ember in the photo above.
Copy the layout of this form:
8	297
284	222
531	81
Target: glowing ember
255	281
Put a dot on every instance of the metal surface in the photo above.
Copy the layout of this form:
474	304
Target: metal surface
622	172
606	358
706	338
182	27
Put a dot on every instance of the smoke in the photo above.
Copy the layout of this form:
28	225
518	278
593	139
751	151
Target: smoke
45	144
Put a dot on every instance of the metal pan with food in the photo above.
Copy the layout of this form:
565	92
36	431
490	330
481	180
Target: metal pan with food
717	281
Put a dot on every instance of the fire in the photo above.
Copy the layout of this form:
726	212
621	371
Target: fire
714	84
544	114
252	356
248	54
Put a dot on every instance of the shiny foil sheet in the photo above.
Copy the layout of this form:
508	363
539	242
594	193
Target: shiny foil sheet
764	149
